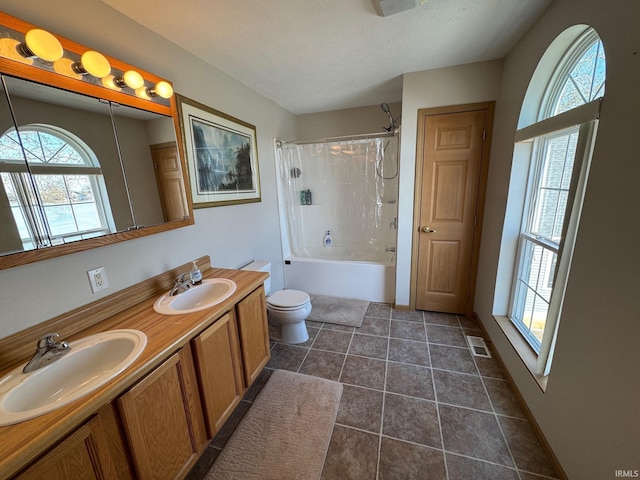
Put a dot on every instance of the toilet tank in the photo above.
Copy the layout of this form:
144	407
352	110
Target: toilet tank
261	266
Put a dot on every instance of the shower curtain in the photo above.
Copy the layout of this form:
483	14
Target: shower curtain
347	187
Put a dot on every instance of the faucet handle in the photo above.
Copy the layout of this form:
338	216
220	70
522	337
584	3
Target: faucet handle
47	340
183	277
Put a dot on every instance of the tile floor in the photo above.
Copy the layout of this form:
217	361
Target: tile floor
416	404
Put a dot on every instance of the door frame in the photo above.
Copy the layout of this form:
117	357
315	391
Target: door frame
423	114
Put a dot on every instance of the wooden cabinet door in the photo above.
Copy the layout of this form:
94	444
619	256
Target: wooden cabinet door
163	420
254	334
219	368
86	454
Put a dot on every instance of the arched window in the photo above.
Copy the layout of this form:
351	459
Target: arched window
578	79
558	149
58	195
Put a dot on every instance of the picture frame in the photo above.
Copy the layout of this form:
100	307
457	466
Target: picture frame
222	156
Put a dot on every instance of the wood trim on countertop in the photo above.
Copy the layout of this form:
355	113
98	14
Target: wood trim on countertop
20	444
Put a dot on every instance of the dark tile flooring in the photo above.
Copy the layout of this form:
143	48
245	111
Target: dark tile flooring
416	404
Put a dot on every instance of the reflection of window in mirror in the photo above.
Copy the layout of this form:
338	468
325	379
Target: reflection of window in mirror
77	207
65	198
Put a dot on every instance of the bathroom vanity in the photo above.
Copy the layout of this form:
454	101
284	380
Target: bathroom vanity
153	420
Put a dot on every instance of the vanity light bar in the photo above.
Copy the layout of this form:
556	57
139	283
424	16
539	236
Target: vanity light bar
41	49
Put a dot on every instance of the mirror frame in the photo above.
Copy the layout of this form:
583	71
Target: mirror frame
53	79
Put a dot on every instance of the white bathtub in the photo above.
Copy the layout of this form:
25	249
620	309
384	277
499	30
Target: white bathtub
365	280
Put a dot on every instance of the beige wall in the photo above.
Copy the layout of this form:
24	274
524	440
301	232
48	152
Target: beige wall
231	235
590	410
139	170
475	82
350	121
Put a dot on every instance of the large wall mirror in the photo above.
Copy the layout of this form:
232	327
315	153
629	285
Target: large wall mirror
82	164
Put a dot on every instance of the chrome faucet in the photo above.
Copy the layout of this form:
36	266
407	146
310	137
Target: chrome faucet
183	283
47	351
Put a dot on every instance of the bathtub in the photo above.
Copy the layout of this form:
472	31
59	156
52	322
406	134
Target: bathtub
372	280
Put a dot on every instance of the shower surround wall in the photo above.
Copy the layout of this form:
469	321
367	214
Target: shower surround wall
354	190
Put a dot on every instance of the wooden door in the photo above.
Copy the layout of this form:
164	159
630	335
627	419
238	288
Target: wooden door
163	420
254	334
219	367
452	156
173	198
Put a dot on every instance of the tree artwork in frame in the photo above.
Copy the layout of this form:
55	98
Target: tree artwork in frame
222	156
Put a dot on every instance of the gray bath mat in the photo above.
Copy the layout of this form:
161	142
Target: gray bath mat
285	434
342	311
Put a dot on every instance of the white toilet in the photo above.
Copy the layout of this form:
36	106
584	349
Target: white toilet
286	309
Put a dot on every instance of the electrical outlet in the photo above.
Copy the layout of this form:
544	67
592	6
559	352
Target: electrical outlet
98	279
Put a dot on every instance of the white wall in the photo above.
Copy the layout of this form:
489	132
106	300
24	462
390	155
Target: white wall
471	83
589	411
231	235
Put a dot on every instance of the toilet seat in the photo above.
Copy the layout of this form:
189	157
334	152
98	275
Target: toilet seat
288	300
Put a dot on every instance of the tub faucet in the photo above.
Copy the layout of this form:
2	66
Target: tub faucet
47	351
182	284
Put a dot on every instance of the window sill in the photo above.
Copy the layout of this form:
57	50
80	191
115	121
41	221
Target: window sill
522	348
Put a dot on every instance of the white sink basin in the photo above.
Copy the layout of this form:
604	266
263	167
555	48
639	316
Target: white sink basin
209	293
91	362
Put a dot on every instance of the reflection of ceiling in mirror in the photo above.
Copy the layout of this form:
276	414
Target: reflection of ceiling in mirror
57	96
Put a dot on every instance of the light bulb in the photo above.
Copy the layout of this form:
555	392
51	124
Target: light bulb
162	89
65	66
110	82
93	63
41	44
8	49
133	79
143	92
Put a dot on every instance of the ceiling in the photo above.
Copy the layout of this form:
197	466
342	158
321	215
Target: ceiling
320	55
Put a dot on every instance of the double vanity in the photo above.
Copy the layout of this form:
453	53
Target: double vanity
134	391
183	374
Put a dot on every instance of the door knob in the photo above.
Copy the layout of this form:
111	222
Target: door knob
428	230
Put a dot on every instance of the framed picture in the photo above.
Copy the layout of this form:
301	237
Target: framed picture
222	156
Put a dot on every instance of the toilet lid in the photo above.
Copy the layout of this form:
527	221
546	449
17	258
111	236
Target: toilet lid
285	299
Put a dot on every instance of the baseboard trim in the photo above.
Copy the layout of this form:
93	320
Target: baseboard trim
525	408
402	307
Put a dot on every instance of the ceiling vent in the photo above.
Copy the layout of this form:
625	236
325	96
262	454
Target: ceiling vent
390	7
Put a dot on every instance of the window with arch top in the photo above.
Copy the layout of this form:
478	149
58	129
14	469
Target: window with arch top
58	195
557	130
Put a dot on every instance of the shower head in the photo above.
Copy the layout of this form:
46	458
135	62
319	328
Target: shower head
385	109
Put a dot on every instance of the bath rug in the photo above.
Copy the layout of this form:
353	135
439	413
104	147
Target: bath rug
286	432
342	311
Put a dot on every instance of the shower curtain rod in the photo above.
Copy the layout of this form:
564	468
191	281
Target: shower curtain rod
362	136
